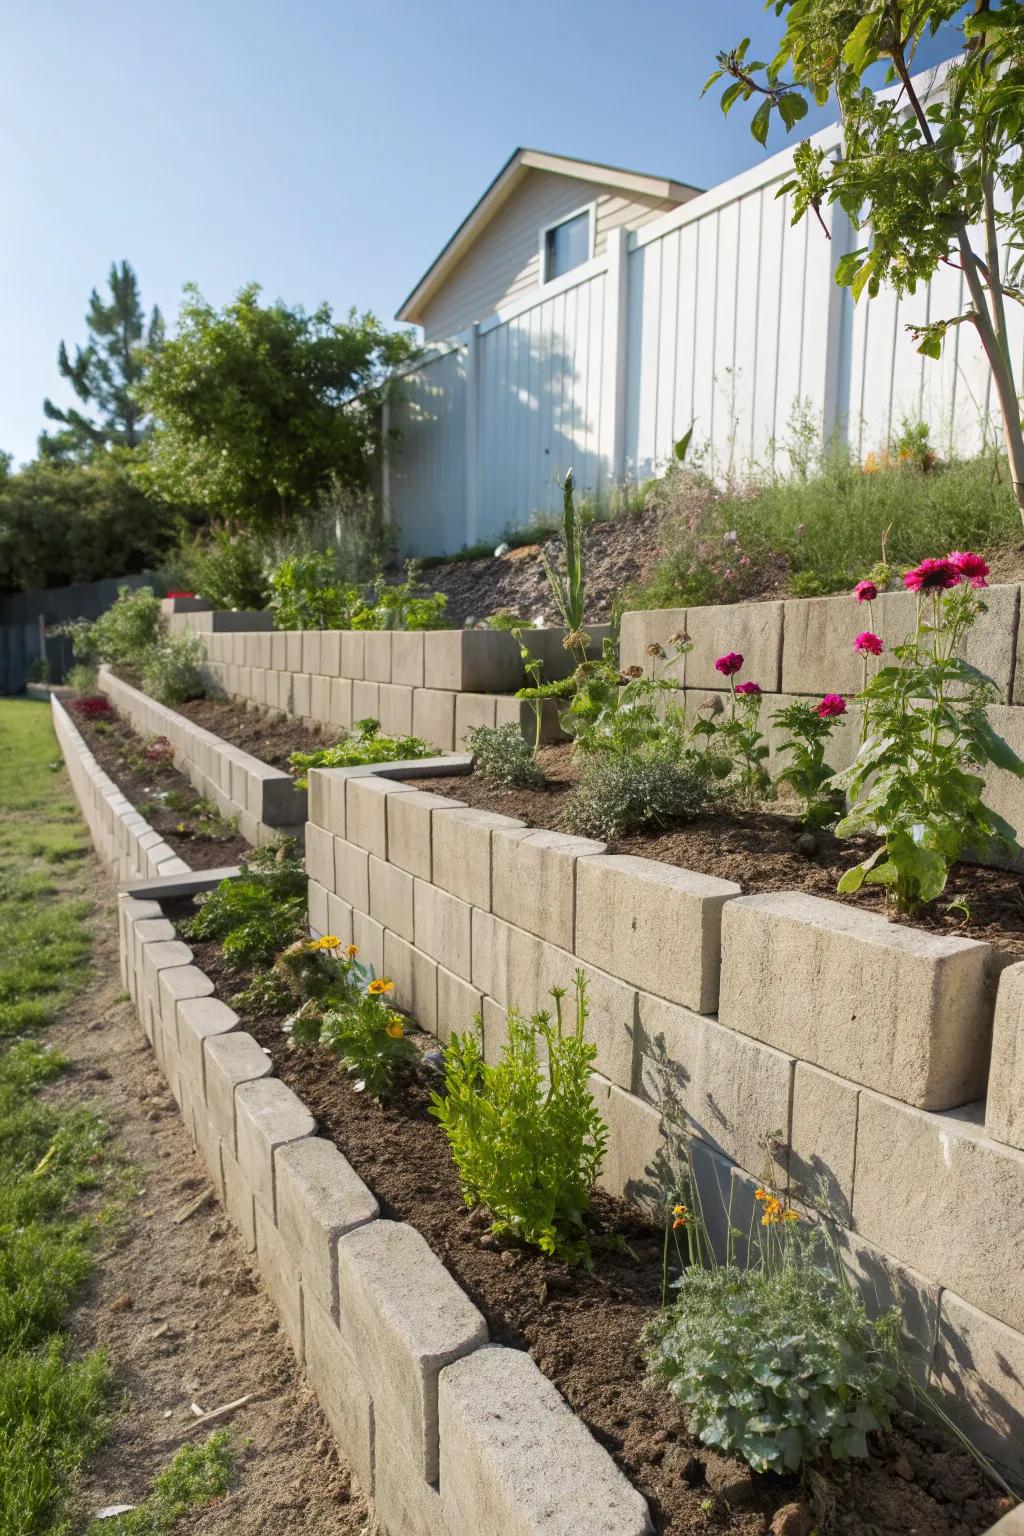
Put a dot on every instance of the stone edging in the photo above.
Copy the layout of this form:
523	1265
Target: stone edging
121	837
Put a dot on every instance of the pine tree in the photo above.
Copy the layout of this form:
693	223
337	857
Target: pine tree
104	372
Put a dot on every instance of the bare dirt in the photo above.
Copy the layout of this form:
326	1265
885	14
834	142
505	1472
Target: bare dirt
146	780
763	850
270	739
583	1329
177	1305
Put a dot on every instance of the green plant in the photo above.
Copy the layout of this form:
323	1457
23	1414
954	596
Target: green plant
569	590
195	1476
503	757
611	712
305	593
369	746
260	913
808	733
525	1135
171	669
227	568
926	733
630	792
735	735
81	679
39	670
407	605
128	629
346	1010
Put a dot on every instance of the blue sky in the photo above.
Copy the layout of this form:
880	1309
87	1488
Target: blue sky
323	148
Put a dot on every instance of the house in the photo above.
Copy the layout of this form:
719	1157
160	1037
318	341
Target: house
541	217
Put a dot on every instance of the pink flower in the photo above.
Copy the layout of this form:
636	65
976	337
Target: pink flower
749	688
729	664
865	591
931	576
972	567
831	705
868	644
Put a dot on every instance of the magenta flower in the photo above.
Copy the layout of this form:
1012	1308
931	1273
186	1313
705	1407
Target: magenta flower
868	644
729	664
972	567
932	576
831	705
865	591
748	688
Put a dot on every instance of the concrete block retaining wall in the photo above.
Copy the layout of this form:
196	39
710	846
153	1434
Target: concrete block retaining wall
783	1036
265	800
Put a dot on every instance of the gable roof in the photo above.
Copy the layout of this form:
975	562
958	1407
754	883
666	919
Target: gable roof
516	167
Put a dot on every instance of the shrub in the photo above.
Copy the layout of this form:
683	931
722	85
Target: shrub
260	913
367	747
347	1012
777	1361
171	669
120	636
504	758
227	569
624	793
527	1139
306	594
81	678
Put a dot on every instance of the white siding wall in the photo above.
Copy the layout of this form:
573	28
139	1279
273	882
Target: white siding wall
426	478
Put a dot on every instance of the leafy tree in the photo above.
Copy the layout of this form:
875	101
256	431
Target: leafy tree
257	406
931	178
104	373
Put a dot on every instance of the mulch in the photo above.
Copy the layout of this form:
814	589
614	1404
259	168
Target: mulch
270	739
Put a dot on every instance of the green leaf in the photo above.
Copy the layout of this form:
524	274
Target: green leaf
682	447
761	119
730	94
860	50
792	107
931	344
862	277
709	82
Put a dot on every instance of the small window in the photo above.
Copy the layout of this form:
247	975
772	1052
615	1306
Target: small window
566	245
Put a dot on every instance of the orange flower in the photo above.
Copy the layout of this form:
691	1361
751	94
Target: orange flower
351	950
395	1029
380	985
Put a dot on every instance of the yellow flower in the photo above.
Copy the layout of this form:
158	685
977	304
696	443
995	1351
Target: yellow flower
395	1029
329	941
351	950
679	1210
791	1215
380	985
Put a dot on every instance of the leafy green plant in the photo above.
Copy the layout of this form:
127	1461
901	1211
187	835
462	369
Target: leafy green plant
171	669
81	679
808	733
627	792
368	746
305	593
611	712
195	1476
569	590
227	568
346	1010
503	757
260	913
525	1134
129	628
915	780
407	605
735	735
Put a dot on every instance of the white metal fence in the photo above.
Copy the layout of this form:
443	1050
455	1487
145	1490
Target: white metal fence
721	314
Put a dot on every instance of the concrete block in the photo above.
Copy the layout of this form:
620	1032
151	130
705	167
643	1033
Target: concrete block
320	1197
462	852
433	717
752	629
377	656
310	651
442	926
268	1115
520	712
352	874
415	978
352	653
391	898
472	661
365	701
731	1092
457	1004
937	1194
654	925
905	1011
407	658
473	710
320	855
884	1284
293	650
279	651
817	648
302	695
238	1198
368	937
340	710
823	1141
340	1389
339	918
201	1019
316	907
516	1461
653	626
366	819
326	795
280	1276
1004	1110
231	1059
330	652
176	984
979	1371
402	1501
409	829
645	1160
534	881
320	698
404	1319
395	709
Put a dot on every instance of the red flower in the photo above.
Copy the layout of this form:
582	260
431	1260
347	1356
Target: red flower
750	688
865	591
972	567
831	705
729	664
932	576
868	644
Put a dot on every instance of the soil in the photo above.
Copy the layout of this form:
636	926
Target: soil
121	755
619	553
583	1329
271	740
177	1305
763	850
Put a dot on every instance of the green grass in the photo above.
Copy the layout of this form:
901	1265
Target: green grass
823	533
52	1406
196	1475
